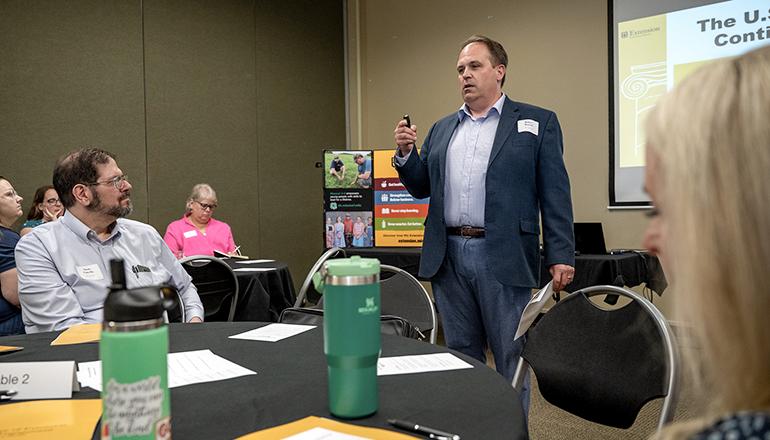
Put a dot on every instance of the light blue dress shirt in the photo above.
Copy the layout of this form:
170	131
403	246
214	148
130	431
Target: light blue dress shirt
466	166
64	271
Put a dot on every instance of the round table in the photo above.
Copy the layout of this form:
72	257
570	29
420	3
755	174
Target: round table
290	384
263	294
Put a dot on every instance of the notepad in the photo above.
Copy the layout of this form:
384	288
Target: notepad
9	349
221	254
317	428
79	334
46	419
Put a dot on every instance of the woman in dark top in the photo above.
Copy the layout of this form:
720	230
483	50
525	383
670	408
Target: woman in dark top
46	207
708	158
10	210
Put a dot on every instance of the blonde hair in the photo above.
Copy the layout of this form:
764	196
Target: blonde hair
711	139
199	191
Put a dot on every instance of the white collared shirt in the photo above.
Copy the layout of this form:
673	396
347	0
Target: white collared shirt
466	166
64	271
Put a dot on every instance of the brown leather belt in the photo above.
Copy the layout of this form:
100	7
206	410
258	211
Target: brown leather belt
466	231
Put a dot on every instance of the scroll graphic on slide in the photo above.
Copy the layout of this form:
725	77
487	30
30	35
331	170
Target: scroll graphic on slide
645	84
642	70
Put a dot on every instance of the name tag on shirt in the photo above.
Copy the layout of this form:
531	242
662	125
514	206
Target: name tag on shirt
190	234
90	272
529	125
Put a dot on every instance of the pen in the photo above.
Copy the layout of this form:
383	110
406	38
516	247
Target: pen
423	430
7	394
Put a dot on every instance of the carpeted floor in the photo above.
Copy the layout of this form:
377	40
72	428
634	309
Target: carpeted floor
546	422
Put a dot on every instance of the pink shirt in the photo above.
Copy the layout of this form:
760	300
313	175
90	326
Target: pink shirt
186	240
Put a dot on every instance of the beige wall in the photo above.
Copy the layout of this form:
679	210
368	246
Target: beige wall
406	53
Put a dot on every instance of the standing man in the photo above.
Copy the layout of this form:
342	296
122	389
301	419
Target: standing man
348	224
64	266
491	170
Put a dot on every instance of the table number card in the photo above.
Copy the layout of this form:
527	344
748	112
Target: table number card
39	380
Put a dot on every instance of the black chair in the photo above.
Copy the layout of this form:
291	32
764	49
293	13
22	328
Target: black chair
217	286
307	288
403	296
603	365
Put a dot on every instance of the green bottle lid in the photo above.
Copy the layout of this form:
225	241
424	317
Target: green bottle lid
348	272
353	266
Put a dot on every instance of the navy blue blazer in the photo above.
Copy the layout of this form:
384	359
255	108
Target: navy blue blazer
526	177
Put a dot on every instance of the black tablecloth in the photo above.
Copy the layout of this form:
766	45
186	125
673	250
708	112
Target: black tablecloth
626	269
291	384
262	296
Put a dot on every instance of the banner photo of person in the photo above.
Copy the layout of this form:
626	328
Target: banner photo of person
362	184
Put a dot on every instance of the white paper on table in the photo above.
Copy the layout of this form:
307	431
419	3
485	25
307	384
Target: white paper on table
253	261
253	269
533	308
90	374
273	332
319	433
184	368
420	363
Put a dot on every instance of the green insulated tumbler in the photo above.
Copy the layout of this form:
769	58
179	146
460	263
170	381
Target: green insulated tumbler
133	349
351	291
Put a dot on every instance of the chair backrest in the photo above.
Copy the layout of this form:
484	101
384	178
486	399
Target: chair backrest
603	365
404	296
389	325
217	286
307	285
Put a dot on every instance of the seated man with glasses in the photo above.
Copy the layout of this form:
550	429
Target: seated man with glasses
64	266
197	232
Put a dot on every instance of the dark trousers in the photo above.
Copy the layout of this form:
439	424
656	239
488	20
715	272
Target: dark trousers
477	311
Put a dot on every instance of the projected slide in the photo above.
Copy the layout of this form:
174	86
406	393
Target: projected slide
657	52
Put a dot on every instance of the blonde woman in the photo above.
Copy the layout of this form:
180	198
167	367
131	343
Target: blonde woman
708	162
198	232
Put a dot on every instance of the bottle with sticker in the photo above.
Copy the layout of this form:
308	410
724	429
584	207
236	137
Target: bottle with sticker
136	402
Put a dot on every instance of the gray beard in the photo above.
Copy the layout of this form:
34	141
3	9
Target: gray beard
115	211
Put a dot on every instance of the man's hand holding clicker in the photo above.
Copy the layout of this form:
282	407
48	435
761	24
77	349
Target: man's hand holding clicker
406	137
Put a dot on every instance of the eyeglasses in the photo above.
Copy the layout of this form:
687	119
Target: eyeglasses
53	202
118	182
206	206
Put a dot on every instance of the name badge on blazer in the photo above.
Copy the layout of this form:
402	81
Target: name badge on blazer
190	234
529	125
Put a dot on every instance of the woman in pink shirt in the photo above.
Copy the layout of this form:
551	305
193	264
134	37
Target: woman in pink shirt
197	233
